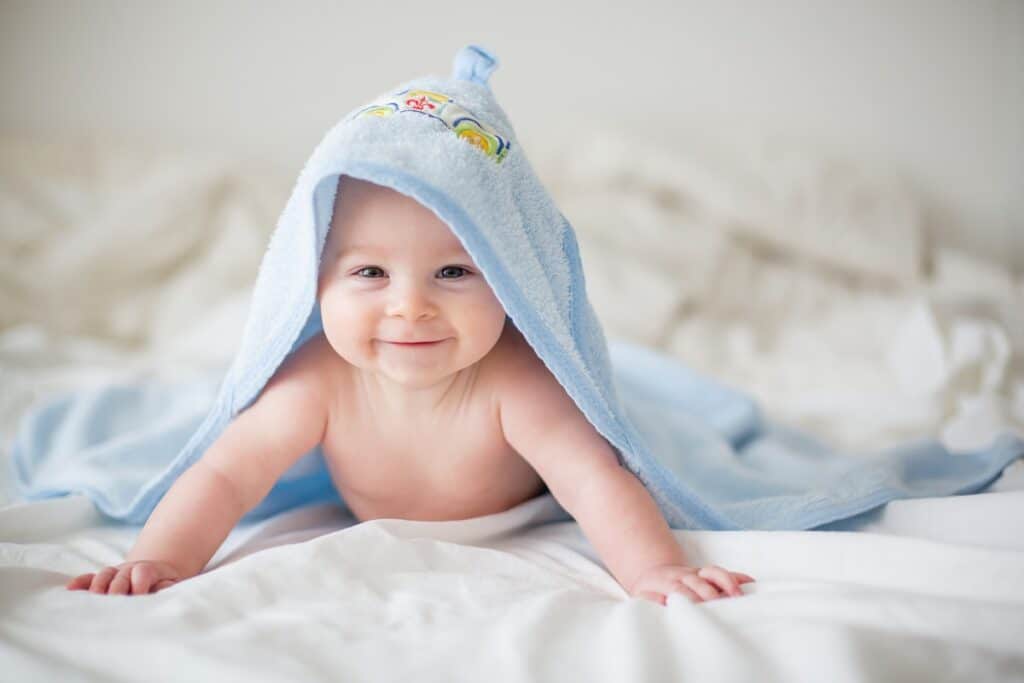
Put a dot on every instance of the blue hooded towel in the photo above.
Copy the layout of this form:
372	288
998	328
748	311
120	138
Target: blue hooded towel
706	455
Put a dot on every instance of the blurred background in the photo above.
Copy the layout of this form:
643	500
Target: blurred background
931	88
821	203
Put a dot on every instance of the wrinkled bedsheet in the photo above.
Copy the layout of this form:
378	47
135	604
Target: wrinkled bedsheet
310	596
888	338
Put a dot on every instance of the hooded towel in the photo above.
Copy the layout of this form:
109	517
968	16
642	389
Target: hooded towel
703	450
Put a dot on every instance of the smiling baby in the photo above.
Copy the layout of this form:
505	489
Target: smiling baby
427	403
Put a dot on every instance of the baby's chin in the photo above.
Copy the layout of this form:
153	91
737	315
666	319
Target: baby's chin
412	379
417	374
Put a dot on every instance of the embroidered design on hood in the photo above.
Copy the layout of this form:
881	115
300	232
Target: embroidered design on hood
445	109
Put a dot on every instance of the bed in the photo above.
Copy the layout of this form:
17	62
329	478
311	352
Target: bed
809	283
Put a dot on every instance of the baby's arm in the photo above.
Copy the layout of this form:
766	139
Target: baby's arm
612	507
233	475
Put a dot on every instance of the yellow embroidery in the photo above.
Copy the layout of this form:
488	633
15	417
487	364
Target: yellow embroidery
443	108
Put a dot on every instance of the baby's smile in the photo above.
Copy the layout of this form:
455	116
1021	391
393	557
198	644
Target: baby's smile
416	344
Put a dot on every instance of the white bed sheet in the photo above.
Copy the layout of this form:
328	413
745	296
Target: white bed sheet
856	344
934	591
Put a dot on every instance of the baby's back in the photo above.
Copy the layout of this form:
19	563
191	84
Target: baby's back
449	463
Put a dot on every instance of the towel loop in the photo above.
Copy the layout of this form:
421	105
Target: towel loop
474	63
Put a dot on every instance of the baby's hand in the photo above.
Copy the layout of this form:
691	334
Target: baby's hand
129	578
696	583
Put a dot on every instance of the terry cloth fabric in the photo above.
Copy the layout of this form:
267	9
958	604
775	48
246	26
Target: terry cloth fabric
702	449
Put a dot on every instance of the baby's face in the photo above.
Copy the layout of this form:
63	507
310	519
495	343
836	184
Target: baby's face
392	272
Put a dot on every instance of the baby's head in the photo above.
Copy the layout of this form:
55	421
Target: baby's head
393	272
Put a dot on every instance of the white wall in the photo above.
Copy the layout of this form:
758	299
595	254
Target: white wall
931	88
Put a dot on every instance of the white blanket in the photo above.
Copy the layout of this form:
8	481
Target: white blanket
309	596
930	589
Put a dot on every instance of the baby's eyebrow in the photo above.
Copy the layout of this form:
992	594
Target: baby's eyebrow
372	250
357	249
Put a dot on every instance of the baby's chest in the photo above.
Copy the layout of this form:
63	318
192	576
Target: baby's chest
446	470
371	458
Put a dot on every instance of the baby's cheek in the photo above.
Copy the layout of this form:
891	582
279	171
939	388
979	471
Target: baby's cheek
344	328
489	321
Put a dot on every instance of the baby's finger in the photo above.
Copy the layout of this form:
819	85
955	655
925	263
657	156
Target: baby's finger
120	583
743	578
80	582
652	596
701	587
162	584
142	578
101	581
678	587
720	578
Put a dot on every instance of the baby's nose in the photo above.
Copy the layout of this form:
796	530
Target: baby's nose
410	302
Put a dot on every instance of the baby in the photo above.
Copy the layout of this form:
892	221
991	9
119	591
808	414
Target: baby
417	363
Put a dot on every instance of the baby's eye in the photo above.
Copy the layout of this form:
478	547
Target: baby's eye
372	269
454	272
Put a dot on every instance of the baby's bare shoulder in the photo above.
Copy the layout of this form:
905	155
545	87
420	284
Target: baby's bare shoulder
312	365
286	420
542	423
518	372
511	356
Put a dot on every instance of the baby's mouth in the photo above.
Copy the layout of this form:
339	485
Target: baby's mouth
415	344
